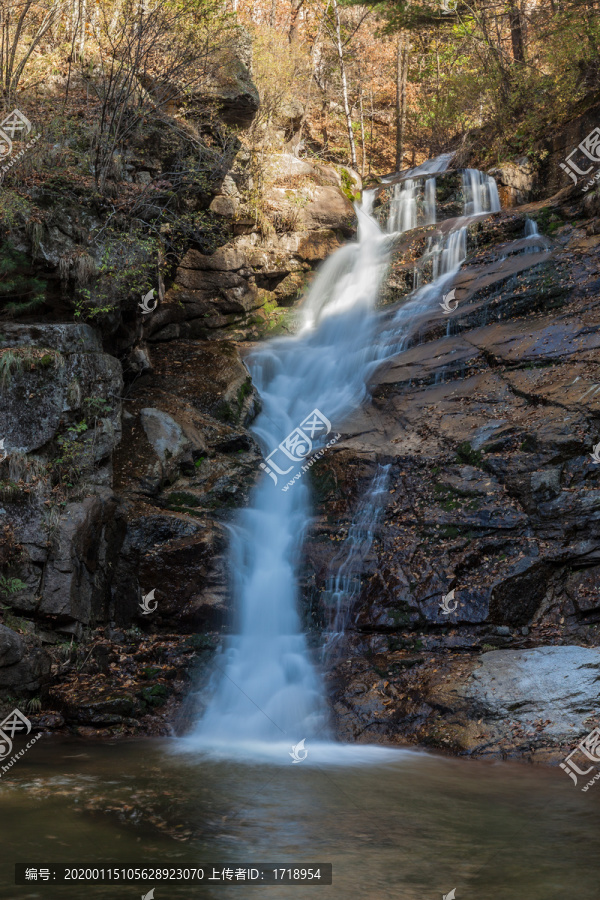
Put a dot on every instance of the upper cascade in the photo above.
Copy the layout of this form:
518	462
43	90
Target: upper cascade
413	201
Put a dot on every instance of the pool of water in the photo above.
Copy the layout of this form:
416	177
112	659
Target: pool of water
401	825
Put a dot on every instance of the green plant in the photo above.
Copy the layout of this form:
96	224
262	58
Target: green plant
16	359
465	454
348	186
10	586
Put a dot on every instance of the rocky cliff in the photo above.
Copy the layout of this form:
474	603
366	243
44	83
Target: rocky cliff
127	451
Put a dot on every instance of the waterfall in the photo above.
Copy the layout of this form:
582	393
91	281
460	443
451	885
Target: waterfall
267	694
412	204
481	193
538	243
343	587
403	207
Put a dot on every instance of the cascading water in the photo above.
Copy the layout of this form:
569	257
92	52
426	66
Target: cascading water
481	193
344	586
267	691
536	242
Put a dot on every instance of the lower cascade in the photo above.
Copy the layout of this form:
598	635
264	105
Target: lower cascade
266	690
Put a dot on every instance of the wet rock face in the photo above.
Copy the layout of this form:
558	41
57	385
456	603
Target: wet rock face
487	423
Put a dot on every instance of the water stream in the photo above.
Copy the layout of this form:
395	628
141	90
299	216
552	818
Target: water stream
267	693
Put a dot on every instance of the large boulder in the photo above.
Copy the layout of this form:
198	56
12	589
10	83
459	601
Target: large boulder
24	667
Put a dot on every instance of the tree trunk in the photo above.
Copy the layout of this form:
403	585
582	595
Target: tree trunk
516	31
362	134
296	6
402	58
340	52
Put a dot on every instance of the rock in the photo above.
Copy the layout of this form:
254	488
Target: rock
230	89
11	647
329	208
555	683
165	435
66	368
225	259
24	667
224	206
77	573
517	181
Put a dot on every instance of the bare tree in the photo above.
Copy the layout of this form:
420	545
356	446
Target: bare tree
342	65
402	60
23	25
157	57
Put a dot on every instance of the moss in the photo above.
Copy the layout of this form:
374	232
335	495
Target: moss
548	221
348	186
150	672
201	642
181	501
466	455
154	696
528	445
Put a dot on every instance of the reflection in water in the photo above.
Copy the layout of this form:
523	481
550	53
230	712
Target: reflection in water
408	829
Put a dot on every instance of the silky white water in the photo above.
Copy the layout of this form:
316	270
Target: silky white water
267	692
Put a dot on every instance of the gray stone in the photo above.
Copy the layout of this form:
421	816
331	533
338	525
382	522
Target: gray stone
24	667
76	585
556	683
165	435
224	206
